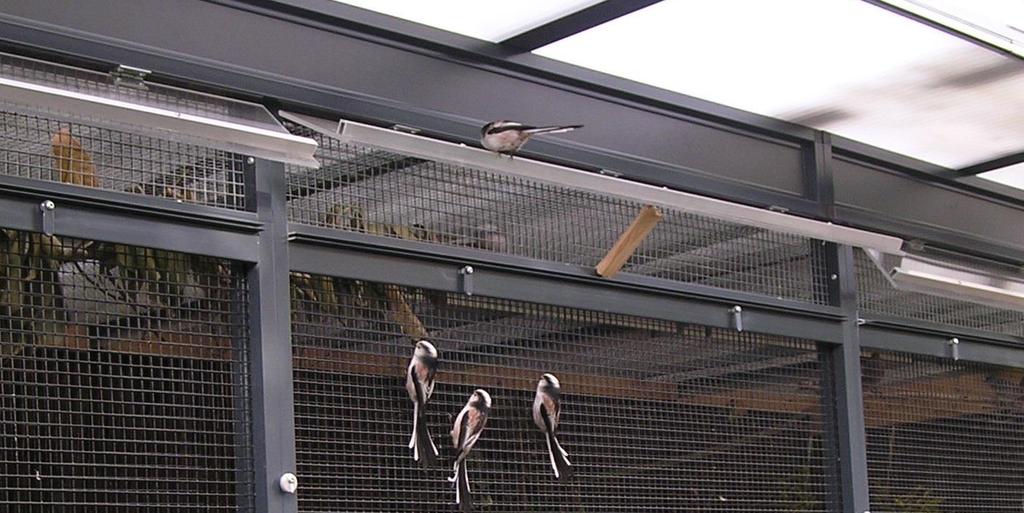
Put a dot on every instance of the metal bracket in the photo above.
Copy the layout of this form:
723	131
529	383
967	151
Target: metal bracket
130	76
47	209
466	280
954	348
737	317
406	129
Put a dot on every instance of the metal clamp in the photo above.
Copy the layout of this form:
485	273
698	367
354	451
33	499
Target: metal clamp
130	76
737	317
466	280
954	348
47	209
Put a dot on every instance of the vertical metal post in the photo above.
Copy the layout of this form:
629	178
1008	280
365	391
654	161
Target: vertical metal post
818	181
849	398
837	285
270	331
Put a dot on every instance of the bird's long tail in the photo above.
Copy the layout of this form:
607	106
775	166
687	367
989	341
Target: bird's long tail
559	458
463	497
551	129
423	448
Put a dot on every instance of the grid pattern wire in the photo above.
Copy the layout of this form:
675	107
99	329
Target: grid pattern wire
876	295
109	85
657	416
125	379
943	436
374	190
51	148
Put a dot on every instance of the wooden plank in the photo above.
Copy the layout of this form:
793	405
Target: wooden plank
630	239
923	400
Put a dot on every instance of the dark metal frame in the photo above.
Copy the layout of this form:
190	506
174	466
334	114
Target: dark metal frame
265	242
575	23
989	165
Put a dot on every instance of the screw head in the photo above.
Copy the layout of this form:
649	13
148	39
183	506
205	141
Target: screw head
48	205
467	270
250	160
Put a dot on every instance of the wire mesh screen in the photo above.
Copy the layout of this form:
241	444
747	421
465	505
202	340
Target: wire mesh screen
876	295
125	379
125	88
943	436
376	191
656	416
51	148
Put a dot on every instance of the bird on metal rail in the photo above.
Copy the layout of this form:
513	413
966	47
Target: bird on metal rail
419	382
546	411
466	431
506	137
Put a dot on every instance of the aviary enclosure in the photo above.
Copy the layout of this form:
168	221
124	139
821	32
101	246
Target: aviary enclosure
129	371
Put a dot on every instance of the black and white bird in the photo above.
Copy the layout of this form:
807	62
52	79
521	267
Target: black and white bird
419	382
546	410
466	431
508	136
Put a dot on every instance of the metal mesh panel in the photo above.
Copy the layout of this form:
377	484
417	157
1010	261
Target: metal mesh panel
876	295
150	94
372	190
53	149
943	436
657	416
125	379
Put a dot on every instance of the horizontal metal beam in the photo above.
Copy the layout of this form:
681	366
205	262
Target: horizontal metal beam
574	23
890	339
434	252
939	329
96	217
570	288
154	206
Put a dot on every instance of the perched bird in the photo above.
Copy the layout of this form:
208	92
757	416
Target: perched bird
419	382
75	164
546	409
508	136
466	431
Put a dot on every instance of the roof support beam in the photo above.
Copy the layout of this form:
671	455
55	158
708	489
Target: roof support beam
988	165
574	23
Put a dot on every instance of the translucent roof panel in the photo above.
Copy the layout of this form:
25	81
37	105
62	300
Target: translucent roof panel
845	66
998	22
1010	175
483	19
